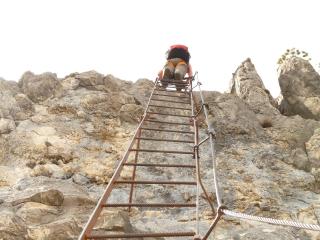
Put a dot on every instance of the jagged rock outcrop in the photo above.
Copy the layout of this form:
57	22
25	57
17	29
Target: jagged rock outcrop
247	84
65	142
300	88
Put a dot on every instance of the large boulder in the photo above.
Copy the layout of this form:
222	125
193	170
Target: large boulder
300	88
39	87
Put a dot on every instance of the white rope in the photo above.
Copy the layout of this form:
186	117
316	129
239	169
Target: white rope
313	227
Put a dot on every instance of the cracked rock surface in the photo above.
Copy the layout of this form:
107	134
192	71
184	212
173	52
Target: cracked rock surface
61	140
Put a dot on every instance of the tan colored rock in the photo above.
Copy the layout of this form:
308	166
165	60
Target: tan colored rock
34	213
58	230
115	221
141	90
90	78
25	103
97	171
111	83
70	83
131	113
12	227
230	115
50	197
48	170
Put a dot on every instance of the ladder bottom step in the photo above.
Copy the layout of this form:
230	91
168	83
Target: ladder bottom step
138	235
155	182
152	205
160	151
160	165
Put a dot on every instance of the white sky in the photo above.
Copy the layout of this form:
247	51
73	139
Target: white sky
128	38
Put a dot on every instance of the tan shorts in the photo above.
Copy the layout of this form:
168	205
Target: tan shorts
175	68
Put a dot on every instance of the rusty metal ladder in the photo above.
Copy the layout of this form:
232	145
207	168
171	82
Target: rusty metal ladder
154	108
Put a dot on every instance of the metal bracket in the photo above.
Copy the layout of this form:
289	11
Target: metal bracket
211	132
198	84
196	150
219	214
203	141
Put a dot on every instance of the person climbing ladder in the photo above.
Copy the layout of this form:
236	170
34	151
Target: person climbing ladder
177	66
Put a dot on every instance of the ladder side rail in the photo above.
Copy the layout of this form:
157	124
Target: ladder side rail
196	159
136	157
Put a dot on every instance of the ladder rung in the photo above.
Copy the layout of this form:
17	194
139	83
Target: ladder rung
160	151
155	182
174	81
167	130
161	106
164	140
172	87
160	165
174	123
166	95
155	205
163	100
172	91
168	114
140	235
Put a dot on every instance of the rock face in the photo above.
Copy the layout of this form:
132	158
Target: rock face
61	139
300	87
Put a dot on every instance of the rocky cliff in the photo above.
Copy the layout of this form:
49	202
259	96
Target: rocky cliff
61	140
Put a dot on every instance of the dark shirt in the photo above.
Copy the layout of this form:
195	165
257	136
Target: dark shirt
179	53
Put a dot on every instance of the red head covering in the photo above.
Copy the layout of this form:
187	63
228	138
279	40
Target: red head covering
179	46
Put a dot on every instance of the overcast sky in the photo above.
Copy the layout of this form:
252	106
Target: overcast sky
128	38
